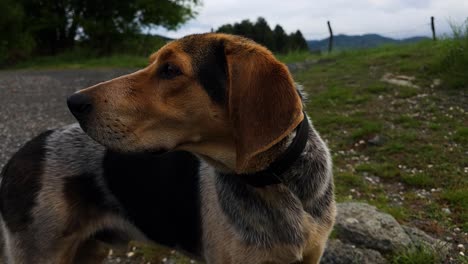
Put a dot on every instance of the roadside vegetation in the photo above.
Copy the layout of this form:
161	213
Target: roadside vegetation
396	120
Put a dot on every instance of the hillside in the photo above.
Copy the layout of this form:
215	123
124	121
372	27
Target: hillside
398	134
344	42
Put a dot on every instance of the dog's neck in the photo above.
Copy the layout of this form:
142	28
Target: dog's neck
226	163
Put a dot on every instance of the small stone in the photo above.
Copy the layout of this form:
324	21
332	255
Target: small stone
456	229
130	254
446	211
376	140
461	253
461	246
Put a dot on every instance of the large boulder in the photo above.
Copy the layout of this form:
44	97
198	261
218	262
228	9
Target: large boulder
338	252
361	224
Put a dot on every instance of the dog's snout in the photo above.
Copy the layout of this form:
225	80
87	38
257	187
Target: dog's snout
79	104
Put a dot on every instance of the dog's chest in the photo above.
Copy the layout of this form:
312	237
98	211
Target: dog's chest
159	194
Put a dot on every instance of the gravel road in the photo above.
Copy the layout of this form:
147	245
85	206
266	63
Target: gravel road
33	101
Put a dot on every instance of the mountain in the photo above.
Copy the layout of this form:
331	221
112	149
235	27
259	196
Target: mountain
342	42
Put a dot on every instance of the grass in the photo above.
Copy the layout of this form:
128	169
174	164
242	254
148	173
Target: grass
422	130
417	255
454	60
80	59
295	56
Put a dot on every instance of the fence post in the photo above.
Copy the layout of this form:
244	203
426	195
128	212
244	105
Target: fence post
433	29
330	41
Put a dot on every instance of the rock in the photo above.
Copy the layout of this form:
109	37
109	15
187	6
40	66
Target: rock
420	238
361	224
377	140
339	253
400	80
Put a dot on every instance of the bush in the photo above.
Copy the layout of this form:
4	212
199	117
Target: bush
453	64
16	43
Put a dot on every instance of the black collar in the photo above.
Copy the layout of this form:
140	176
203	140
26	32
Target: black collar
274	172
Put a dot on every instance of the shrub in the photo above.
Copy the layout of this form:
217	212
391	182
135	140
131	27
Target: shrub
453	64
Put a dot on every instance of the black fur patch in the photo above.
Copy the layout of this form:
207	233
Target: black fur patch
257	221
321	204
209	64
160	195
21	183
86	200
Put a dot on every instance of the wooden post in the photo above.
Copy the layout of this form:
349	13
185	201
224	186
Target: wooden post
433	29
330	41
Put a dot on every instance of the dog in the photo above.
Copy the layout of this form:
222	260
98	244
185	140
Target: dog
207	149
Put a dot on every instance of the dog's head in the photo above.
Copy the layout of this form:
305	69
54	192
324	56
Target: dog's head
221	96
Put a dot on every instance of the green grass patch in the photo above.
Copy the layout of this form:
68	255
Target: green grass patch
461	135
77	60
407	92
296	56
421	180
417	255
366	129
407	121
452	62
382	170
349	180
377	88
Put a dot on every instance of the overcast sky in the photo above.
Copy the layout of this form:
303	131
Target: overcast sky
393	18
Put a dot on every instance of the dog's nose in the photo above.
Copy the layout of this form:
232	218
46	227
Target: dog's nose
79	104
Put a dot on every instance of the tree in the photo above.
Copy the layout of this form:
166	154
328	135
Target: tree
15	41
276	40
297	41
281	39
263	34
56	24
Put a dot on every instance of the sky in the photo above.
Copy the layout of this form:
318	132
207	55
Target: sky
392	18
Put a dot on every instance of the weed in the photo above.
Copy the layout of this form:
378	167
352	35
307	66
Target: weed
417	255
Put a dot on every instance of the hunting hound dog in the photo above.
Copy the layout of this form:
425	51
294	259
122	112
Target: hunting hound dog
244	177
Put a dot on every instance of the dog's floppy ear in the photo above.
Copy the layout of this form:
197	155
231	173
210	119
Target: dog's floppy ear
264	106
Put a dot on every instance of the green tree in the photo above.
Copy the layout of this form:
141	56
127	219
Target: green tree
263	34
276	40
281	39
297	41
57	24
15	41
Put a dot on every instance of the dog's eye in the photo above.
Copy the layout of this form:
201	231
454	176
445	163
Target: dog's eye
169	71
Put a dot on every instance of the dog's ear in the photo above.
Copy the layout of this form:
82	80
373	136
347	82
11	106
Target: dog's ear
263	104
